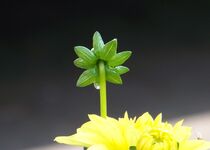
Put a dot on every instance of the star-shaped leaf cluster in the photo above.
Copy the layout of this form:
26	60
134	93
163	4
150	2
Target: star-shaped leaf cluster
89	60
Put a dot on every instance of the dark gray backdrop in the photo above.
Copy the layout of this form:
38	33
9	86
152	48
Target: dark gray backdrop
39	100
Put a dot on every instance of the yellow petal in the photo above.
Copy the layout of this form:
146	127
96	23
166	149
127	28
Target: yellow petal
143	121
158	119
67	140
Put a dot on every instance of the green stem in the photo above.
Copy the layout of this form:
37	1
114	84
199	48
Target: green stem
102	82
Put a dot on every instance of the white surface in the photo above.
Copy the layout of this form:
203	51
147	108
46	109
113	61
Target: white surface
56	147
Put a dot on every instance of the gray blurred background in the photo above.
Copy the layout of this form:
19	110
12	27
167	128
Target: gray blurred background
169	68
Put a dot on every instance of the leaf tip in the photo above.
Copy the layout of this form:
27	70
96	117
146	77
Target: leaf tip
130	52
76	48
78	84
96	34
115	39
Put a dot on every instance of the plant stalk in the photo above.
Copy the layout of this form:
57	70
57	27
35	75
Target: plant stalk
102	83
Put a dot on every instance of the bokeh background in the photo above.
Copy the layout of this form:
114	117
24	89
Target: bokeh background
169	68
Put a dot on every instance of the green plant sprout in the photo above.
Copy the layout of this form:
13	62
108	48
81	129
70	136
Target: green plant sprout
102	63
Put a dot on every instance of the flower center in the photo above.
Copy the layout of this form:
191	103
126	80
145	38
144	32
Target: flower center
157	139
159	135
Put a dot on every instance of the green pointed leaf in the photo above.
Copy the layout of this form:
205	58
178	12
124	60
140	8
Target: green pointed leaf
98	43
119	58
121	69
86	78
80	63
109	50
112	76
85	54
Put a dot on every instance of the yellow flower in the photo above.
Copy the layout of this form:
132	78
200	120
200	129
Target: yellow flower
103	134
158	135
144	133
